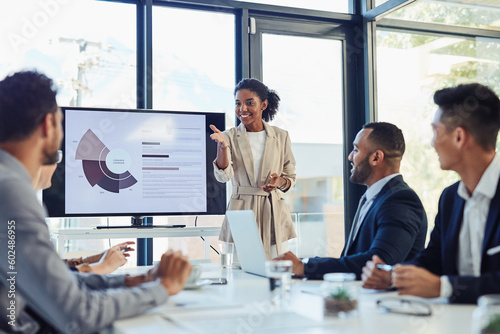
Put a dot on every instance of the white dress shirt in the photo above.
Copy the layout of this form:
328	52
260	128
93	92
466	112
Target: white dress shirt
476	209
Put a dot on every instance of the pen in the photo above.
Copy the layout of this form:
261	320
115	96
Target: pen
385	267
316	293
493	251
125	249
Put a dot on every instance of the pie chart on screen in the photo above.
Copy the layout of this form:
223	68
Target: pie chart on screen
103	166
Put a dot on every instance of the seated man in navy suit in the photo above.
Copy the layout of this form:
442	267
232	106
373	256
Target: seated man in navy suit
390	220
462	260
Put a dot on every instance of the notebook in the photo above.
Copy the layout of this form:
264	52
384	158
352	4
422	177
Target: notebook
247	241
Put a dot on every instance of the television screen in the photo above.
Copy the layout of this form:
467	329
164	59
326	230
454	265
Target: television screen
121	162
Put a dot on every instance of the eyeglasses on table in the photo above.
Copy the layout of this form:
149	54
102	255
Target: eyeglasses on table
404	306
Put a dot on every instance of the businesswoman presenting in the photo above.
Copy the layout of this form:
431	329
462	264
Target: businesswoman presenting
258	159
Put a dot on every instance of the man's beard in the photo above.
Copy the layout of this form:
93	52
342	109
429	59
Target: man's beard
50	157
361	171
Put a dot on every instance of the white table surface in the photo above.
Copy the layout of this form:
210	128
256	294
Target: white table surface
243	306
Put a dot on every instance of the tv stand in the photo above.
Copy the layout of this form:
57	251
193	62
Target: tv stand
60	236
141	226
138	222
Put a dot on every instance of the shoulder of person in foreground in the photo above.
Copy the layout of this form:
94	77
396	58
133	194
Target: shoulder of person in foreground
55	295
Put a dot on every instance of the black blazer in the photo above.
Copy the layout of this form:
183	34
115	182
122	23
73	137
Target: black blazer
440	256
394	228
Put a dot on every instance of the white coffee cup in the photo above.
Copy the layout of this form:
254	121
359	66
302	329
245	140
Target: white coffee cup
195	274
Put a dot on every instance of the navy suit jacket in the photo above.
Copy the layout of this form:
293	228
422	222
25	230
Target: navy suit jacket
394	228
440	256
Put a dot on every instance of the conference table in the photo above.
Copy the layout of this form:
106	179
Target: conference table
243	305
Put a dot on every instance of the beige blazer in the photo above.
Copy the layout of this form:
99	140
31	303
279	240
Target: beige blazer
272	214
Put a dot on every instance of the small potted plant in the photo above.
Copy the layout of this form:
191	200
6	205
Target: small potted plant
340	295
493	326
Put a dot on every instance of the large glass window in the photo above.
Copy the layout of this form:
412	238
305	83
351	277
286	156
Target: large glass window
410	68
193	59
340	6
74	42
307	74
91	59
478	14
193	70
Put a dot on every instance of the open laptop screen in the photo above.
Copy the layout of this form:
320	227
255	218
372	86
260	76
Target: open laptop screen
247	241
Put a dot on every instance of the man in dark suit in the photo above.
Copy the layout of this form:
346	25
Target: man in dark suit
390	220
462	260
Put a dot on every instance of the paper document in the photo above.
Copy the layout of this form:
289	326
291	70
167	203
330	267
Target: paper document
258	317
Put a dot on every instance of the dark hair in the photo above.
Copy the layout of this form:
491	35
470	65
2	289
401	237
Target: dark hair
386	137
264	93
474	107
25	99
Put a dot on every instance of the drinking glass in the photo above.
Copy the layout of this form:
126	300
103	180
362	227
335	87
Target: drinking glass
226	254
486	317
280	279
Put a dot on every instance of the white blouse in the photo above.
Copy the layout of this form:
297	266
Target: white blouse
257	143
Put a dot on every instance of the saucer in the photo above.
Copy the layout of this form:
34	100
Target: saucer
197	285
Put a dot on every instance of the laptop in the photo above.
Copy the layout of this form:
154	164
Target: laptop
247	241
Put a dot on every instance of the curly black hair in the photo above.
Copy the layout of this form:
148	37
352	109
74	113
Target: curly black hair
26	97
264	93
